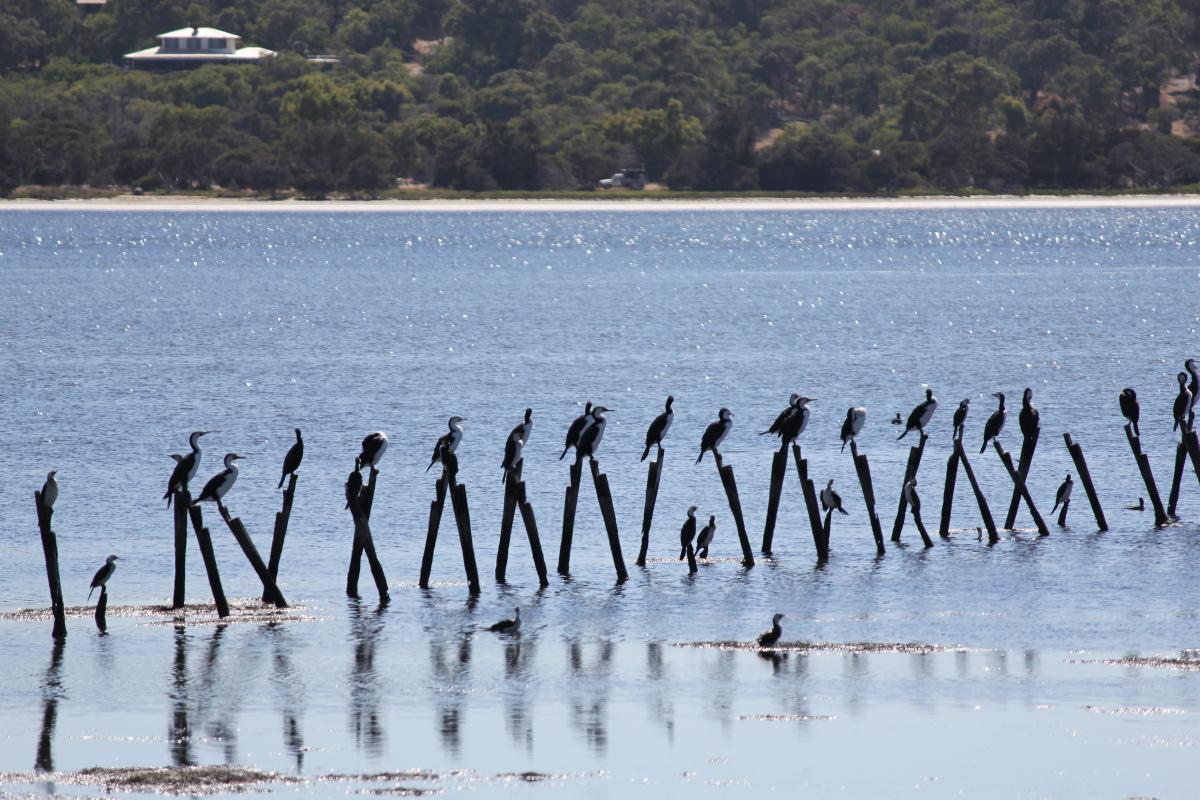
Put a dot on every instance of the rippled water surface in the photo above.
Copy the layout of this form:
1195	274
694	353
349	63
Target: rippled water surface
121	332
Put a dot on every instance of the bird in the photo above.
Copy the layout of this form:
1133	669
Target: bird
919	417
706	536
175	457
960	418
1130	408
220	484
100	579
50	489
448	442
508	625
1141	505
581	422
354	483
185	467
1028	418
831	500
373	448
995	422
715	433
1183	404
911	496
659	427
777	426
855	419
514	445
897	420
291	462
1194	387
524	428
768	638
797	422
589	440
688	532
1064	493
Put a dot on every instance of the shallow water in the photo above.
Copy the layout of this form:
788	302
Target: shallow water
121	332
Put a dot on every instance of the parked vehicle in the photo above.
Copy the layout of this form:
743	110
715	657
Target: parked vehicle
625	179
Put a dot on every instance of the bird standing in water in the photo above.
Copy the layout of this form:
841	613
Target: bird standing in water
995	422
919	417
659	427
508	625
706	536
714	434
291	462
582	422
771	637
100	579
687	533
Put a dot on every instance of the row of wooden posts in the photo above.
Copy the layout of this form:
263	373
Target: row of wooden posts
515	498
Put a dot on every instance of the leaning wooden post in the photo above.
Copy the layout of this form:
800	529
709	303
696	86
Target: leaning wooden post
462	519
238	529
984	511
735	507
778	470
823	551
182	500
1177	479
1021	487
653	477
910	471
691	559
916	514
511	478
531	532
568	523
362	509
1062	515
604	497
948	493
1143	462
50	551
435	522
863	468
1192	442
810	497
204	539
1024	462
101	608
1085	476
280	532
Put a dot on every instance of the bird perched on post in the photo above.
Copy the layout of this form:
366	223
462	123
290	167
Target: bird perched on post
1029	414
1183	404
50	489
1194	387
796	423
960	418
354	484
291	462
919	417
714	434
855	419
580	423
995	422
100	579
771	637
659	427
220	484
508	625
589	440
831	500
514	445
185	467
777	426
1063	495
706	536
688	532
448	442
373	448
1130	408
910	495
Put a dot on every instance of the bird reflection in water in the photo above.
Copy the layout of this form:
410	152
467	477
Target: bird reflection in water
52	692
518	669
590	686
451	664
179	732
365	629
662	709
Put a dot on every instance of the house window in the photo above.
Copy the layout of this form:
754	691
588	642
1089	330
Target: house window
193	44
216	44
170	44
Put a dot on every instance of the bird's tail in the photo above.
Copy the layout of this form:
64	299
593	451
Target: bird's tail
93	591
504	474
645	453
843	446
901	436
983	447
431	463
1056	505
564	452
763	433
699	456
168	497
281	477
844	511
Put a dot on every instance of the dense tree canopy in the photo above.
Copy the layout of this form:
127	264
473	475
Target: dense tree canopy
780	95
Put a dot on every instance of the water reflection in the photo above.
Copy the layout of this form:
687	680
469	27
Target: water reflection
179	732
519	664
52	692
365	691
662	708
451	662
589	693
290	687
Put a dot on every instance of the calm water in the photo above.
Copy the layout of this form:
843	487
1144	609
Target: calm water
122	332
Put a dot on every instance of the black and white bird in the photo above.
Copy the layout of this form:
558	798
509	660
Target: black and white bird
771	637
1029	414
687	533
714	434
1183	404
777	426
1130	408
354	484
995	422
960	418
508	625
919	417
1194	387
291	462
897	420
448	442
50	489
100	579
855	419
797	422
831	500
524	428
514	445
705	538
373	448
659	427
593	434
1064	493
910	495
219	485
185	467
582	422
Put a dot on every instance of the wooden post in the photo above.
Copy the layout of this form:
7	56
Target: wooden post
984	511
101	608
735	507
435	521
210	560
863	468
1028	445
810	497
1180	462
1019	482
366	499
691	559
778	469
362	533
531	531
506	520
1143	462
1085	476
182	500
916	513
568	524
462	518
823	551
270	589
50	551
910	472
280	532
604	497
1062	515
653	476
1192	442
948	493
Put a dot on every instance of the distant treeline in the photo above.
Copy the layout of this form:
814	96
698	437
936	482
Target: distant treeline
803	95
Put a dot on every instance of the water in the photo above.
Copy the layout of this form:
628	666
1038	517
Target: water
121	332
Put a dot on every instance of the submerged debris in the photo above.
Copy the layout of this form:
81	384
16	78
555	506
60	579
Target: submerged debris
1185	661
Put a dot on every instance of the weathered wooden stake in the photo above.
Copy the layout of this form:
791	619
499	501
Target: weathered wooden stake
448	484
101	608
280	532
653	476
948	493
1062	515
462	517
1085	476
691	559
270	589
1180	462
1021	486
362	509
863	468
531	532
823	552
435	522
910	471
984	511
1143	462
506	521
604	497
568	524
204	539
810	497
366	544
735	507
182	500
778	469
1192	441
916	513
1024	462
50	551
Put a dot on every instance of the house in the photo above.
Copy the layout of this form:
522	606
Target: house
91	5
193	47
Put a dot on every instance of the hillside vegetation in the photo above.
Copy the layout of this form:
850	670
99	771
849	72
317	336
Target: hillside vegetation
778	95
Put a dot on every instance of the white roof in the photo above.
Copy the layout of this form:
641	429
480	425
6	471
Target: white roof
203	33
241	54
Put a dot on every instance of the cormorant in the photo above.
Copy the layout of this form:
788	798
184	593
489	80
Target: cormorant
1183	404
797	422
50	489
220	484
1141	506
589	440
771	637
831	499
960	418
919	417
508	625
291	462
373	448
1064	493
581	422
777	426
855	419
714	434
447	442
1130	408
688	532
100	579
1029	414
706	536
995	422
659	427
185	467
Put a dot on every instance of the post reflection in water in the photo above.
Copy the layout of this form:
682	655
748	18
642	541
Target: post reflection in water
723	677
52	692
290	688
214	704
519	658
365	628
662	708
451	663
179	732
589	700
